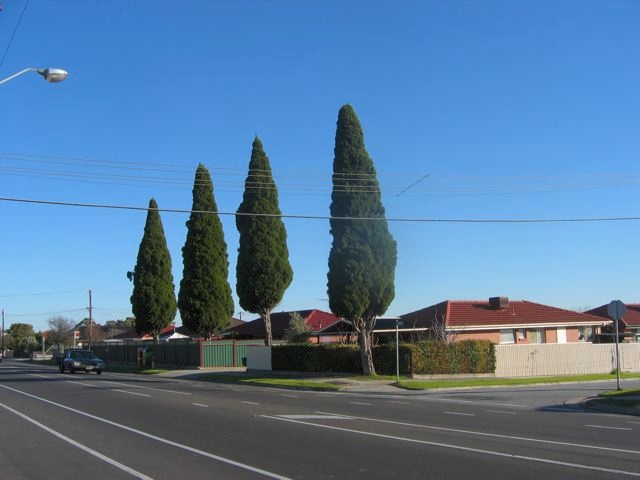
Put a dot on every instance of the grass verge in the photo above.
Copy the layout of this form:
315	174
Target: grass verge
255	379
487	382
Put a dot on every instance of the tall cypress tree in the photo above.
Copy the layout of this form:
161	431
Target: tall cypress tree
263	272
205	300
153	301
363	253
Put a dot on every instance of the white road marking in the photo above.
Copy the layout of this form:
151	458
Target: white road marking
399	402
501	411
462	414
459	447
130	393
360	403
484	434
200	405
153	437
608	428
475	402
102	457
250	403
147	388
290	396
315	417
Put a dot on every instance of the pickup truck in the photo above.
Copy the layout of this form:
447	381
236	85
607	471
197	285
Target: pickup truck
80	360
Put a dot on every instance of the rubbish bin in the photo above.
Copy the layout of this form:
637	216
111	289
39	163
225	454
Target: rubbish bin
149	358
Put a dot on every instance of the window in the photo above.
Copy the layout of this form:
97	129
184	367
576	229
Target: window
585	334
536	335
506	336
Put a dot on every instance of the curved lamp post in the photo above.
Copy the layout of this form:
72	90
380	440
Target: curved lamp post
52	75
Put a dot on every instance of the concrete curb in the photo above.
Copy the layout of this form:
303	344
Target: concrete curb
592	403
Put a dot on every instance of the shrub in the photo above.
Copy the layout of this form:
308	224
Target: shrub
430	358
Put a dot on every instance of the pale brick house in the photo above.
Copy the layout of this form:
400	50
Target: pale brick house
504	321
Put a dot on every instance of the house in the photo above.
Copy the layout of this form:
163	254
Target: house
503	321
631	319
325	327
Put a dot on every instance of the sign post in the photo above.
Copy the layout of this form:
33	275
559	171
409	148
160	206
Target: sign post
616	309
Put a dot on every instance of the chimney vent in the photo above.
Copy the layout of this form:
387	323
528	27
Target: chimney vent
499	302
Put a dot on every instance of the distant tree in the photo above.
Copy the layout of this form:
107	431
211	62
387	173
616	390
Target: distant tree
21	337
298	330
263	272
205	300
153	300
60	331
363	253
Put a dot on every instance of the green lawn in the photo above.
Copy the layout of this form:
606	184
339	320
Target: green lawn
485	382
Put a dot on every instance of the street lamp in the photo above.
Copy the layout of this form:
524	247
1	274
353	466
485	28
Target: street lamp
51	75
399	323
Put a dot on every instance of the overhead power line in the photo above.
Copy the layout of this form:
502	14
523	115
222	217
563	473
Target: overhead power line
321	217
14	33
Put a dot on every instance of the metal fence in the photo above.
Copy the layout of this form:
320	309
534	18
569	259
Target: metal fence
179	353
564	359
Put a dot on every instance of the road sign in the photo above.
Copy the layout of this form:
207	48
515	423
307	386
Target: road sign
616	310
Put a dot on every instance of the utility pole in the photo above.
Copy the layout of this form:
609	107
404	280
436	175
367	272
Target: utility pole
90	321
2	348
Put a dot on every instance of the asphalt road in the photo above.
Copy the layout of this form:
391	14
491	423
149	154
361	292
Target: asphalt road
116	426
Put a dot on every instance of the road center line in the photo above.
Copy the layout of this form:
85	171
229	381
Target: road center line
153	437
360	403
200	405
459	447
146	388
102	457
462	414
249	403
130	393
609	428
484	434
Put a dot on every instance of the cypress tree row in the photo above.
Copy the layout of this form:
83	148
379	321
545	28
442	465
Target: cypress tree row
263	272
363	253
153	301
205	300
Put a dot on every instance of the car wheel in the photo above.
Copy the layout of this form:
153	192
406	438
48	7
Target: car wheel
99	372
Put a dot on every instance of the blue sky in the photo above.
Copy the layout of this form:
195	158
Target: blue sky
516	110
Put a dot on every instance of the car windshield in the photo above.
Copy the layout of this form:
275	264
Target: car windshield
82	355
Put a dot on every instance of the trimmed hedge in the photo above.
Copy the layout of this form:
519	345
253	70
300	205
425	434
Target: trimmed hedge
427	358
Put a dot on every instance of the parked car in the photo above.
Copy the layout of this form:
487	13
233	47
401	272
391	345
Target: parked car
81	360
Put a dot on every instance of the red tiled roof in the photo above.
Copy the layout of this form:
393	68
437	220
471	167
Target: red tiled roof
480	314
316	319
631	316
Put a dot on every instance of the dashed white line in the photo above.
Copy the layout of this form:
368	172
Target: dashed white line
152	437
609	428
146	388
316	417
460	447
485	434
290	396
462	414
131	393
250	403
501	411
360	403
200	405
